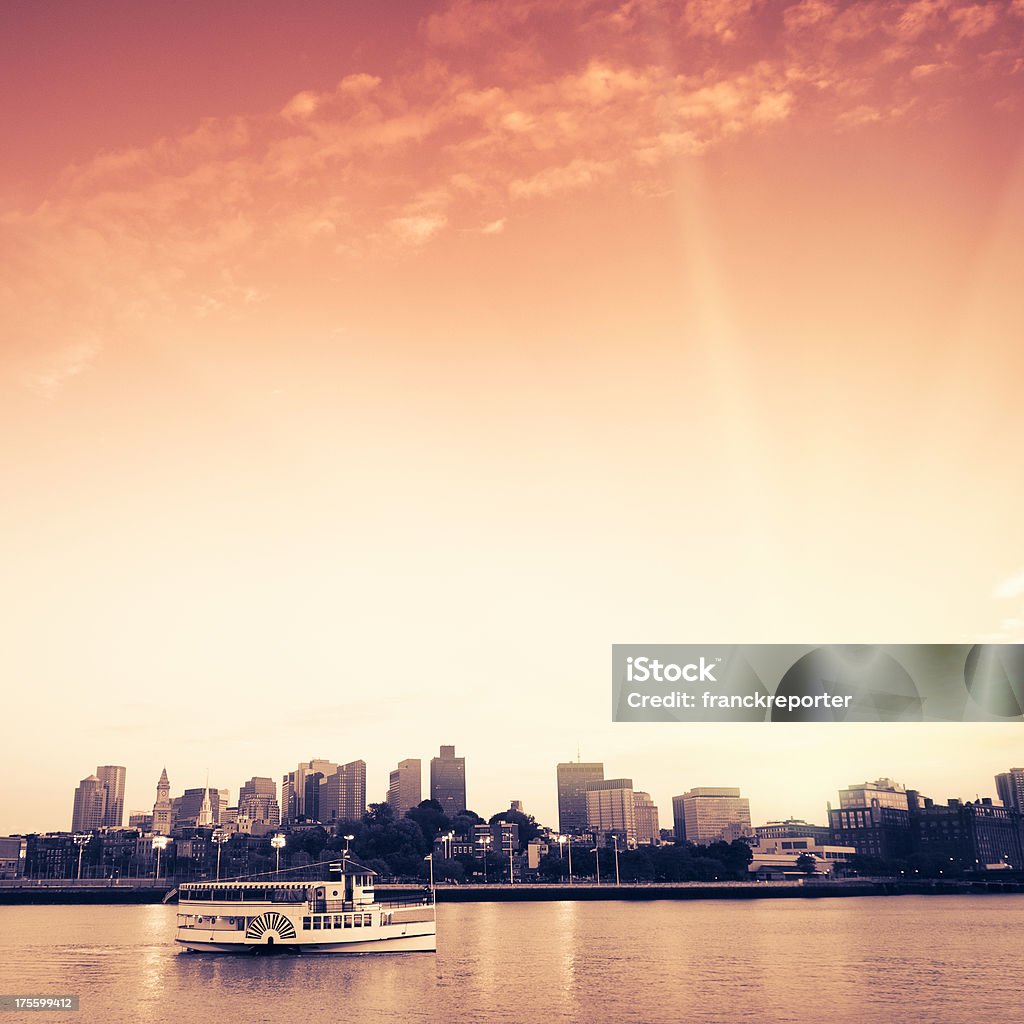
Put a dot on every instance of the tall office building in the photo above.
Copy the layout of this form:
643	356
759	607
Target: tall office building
880	793
112	777
406	786
611	809
709	813
1010	788
199	808
645	811
162	809
257	800
90	805
573	777
293	788
448	781
343	794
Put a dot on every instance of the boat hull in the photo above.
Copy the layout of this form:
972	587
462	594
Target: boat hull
426	943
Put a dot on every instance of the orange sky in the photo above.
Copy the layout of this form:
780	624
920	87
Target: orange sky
366	375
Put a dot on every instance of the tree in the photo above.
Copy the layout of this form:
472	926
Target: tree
807	863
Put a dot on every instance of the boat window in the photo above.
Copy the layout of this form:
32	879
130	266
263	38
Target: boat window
305	924
316	923
339	920
327	921
348	920
366	920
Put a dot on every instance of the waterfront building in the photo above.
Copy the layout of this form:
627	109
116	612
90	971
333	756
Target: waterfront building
707	814
405	788
12	856
572	777
257	800
777	858
343	794
141	820
448	781
874	818
970	835
505	837
90	805
112	777
645	812
1010	788
611	809
163	809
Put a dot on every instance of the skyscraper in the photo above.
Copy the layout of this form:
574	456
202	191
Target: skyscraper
1010	787
343	794
709	813
573	777
90	805
406	786
646	813
112	777
611	809
293	788
448	781
162	810
257	800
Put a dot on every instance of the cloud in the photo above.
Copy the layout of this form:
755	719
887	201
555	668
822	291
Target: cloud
416	230
495	227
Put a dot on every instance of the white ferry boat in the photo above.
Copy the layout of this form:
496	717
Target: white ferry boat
339	915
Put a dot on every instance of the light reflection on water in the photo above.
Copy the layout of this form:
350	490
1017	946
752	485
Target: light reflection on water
947	959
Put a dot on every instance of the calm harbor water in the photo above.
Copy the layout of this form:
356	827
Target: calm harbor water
912	958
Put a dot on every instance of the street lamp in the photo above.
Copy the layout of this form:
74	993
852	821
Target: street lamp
159	844
568	840
277	842
482	841
511	872
615	840
348	839
81	841
597	861
220	837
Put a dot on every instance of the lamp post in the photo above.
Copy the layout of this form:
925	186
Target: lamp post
597	861
278	842
615	841
220	837
348	839
568	839
159	844
511	871
81	841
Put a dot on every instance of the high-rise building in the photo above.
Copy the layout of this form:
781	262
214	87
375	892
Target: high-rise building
112	776
162	809
573	777
646	813
343	794
448	781
405	789
142	820
198	808
881	793
257	800
90	807
1010	788
293	788
707	814
611	809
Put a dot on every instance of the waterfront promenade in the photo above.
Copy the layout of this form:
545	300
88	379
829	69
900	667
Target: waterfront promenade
97	891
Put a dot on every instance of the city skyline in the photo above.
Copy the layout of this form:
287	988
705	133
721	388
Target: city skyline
664	804
373	371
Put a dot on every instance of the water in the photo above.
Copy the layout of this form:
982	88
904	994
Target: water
912	958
